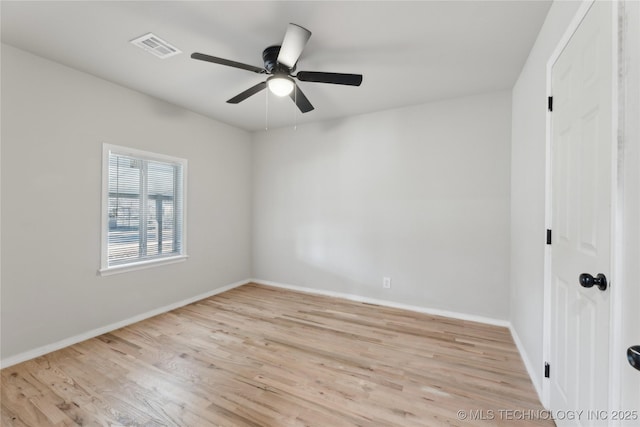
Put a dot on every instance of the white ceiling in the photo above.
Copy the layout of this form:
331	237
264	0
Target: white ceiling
409	52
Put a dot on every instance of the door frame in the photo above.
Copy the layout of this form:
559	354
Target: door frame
616	223
629	199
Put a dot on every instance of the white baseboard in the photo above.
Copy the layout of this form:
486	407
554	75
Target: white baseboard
527	363
385	303
37	352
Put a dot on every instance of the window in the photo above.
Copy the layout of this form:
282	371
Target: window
143	209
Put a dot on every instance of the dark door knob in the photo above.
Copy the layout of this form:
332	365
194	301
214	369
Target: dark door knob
588	281
633	354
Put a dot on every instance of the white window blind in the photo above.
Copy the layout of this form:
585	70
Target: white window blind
145	208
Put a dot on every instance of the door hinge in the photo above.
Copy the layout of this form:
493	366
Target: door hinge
550	103
547	368
548	237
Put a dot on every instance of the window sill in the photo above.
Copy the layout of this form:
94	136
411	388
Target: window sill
108	271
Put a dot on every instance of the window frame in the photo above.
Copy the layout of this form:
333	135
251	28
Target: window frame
105	269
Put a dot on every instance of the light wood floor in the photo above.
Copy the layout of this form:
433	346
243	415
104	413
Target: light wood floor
261	356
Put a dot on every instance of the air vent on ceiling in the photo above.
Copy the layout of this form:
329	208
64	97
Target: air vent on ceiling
155	45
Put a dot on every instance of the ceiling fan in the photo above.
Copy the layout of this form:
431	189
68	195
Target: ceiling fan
280	63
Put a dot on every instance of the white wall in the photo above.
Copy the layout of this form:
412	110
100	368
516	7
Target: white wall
420	194
528	188
54	121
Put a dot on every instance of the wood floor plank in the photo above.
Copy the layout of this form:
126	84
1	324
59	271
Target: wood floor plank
259	356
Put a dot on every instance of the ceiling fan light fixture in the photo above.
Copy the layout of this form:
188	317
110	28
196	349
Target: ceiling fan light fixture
280	85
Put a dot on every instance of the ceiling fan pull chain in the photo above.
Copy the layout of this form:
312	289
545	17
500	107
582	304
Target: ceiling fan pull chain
266	111
295	101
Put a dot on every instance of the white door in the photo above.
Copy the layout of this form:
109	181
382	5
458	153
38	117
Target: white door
581	153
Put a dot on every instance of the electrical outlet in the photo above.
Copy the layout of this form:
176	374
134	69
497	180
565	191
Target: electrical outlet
386	282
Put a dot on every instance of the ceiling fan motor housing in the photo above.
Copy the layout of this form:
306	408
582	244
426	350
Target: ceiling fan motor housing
270	58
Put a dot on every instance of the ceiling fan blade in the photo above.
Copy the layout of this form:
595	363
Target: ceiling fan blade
335	78
301	100
294	42
247	93
221	61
